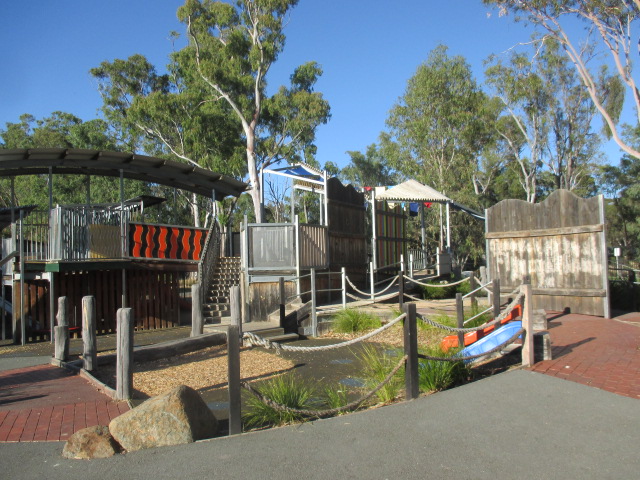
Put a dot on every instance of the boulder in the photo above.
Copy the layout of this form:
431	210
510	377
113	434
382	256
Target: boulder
91	442
176	417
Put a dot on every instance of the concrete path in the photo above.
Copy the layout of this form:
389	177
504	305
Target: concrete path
518	424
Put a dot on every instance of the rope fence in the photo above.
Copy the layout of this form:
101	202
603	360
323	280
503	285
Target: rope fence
437	285
328	412
411	354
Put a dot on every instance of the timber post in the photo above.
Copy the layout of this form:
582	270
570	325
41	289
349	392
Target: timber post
61	331
90	352
472	286
460	318
124	355
527	324
234	336
197	321
496	297
411	351
283	301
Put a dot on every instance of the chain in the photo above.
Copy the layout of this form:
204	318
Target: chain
330	412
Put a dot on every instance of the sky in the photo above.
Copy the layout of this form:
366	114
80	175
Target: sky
368	50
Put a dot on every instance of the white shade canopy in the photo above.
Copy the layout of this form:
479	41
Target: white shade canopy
413	191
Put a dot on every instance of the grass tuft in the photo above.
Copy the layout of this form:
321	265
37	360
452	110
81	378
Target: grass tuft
377	366
434	376
353	321
284	390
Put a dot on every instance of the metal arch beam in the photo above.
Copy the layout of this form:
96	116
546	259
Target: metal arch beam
107	163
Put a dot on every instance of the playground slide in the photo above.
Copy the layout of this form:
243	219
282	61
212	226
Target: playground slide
492	340
451	341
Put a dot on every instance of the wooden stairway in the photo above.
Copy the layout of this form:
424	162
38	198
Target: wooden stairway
216	302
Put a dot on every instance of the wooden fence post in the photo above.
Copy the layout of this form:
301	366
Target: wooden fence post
496	297
473	285
314	304
460	318
61	317
527	324
234	336
411	350
124	355
90	352
282	302
197	321
61	331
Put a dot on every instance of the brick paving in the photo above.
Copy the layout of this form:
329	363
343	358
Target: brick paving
601	353
47	403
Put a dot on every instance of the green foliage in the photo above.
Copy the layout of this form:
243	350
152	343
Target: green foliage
284	390
434	375
352	321
377	366
335	397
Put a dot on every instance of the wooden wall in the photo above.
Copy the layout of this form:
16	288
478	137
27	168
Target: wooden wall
559	243
153	294
347	230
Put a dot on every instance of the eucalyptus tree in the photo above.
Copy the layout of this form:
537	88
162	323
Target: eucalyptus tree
368	169
231	49
436	133
607	27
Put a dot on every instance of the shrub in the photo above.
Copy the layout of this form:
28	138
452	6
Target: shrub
284	390
434	375
352	321
377	366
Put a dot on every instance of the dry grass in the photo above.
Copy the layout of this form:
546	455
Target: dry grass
202	370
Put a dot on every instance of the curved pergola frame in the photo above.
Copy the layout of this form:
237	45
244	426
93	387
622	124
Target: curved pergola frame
36	161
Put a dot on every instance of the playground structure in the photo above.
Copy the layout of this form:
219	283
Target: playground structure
107	251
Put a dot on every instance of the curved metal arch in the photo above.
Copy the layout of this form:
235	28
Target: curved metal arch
34	161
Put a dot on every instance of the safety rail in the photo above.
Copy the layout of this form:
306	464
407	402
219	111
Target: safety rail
410	359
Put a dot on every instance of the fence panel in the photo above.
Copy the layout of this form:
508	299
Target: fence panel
313	246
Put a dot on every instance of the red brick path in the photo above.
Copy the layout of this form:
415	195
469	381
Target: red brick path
46	403
602	353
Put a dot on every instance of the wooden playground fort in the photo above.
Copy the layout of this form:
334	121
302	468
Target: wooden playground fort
113	254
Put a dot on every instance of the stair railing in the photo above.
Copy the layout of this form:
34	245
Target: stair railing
208	261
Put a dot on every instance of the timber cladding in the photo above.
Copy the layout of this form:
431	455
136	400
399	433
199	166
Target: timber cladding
153	295
559	243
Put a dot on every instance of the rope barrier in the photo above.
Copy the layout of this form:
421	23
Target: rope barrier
268	344
329	412
438	285
389	286
473	357
356	288
495	321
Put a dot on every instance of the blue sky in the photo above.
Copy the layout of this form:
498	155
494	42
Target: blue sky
367	48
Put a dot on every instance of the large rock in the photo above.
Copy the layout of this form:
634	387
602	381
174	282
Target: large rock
91	442
179	416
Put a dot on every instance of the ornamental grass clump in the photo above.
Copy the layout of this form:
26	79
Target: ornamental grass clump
377	365
352	320
437	375
287	391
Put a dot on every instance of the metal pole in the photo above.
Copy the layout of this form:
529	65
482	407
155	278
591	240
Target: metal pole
326	201
372	282
422	226
448	230
374	240
122	240
297	235
314	314
344	287
261	196
23	327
